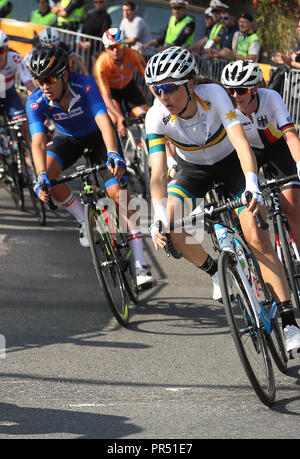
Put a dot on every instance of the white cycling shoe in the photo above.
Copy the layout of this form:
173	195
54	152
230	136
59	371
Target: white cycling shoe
217	295
144	277
292	340
83	238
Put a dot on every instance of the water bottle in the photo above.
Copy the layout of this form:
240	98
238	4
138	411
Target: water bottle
222	235
242	257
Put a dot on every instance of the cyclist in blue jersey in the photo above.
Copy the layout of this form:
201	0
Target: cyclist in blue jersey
74	103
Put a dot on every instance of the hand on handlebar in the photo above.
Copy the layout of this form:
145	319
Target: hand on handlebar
42	186
256	202
116	164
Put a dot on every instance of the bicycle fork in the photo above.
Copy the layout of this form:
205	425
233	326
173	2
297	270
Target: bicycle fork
260	318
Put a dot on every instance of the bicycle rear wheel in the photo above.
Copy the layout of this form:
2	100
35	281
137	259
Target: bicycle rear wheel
134	162
106	264
289	261
249	340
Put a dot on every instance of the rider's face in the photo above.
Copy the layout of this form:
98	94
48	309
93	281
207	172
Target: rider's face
51	87
3	53
115	53
174	101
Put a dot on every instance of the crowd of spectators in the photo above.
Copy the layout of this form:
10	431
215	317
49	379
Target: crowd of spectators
226	35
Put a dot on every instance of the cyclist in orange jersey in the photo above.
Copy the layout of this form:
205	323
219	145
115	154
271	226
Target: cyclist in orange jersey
114	71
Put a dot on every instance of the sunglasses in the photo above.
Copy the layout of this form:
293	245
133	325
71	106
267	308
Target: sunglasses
117	46
239	91
177	7
2	49
167	88
46	80
225	18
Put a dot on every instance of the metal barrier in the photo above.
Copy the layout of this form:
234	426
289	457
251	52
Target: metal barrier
291	95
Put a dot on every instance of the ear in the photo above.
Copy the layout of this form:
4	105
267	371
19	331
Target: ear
191	86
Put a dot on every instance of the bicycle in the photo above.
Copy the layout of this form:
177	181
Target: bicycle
285	244
135	147
250	309
112	257
15	174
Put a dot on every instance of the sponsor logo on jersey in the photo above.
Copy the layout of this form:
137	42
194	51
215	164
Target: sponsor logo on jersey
87	88
34	106
166	119
262	121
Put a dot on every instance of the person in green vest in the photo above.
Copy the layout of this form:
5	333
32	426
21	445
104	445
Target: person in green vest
70	14
246	44
5	8
212	41
180	30
43	15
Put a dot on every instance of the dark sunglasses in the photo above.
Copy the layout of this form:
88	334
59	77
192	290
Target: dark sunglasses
2	49
177	7
46	80
167	88
225	18
239	91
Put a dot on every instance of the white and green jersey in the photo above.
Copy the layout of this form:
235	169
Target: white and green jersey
199	140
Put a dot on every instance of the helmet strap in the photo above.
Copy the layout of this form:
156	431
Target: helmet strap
189	98
64	89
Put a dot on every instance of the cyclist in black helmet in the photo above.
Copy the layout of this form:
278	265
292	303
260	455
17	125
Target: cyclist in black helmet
74	103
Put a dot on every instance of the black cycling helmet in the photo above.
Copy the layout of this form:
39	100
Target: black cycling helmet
49	61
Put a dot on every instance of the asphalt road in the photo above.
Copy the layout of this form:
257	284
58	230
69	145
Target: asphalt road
70	371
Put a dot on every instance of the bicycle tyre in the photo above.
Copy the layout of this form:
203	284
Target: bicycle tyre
12	184
249	340
106	266
38	205
275	340
137	183
289	265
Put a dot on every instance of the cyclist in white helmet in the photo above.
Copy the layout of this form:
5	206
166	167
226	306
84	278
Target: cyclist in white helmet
50	36
269	129
12	63
200	120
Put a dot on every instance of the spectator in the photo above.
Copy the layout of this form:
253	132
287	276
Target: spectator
246	43
291	60
5	8
69	13
229	27
136	30
43	15
180	30
214	38
95	24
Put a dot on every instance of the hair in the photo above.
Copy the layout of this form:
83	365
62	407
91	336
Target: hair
130	4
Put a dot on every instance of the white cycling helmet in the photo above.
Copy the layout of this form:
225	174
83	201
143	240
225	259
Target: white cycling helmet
49	37
3	39
241	73
173	62
113	36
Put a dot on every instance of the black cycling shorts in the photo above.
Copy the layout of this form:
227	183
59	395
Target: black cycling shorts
193	181
67	150
130	96
279	157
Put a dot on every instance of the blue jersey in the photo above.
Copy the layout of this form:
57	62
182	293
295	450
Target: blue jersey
79	121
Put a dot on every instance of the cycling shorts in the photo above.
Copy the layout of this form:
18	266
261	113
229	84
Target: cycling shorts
130	96
67	150
193	181
13	104
278	156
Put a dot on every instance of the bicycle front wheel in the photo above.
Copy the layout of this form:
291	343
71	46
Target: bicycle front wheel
12	184
249	340
106	264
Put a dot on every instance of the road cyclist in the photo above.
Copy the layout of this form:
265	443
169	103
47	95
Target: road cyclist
74	103
200	120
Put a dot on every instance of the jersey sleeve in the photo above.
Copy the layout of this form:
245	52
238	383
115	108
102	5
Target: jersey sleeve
155	131
24	73
140	62
94	98
35	115
101	75
280	112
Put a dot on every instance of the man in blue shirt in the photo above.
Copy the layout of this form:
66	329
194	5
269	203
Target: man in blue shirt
74	103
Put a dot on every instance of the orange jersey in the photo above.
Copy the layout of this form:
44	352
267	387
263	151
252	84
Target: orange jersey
111	76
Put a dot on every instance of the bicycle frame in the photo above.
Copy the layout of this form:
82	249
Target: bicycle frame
228	244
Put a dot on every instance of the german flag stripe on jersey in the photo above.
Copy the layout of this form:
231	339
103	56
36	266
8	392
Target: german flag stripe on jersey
217	137
272	134
287	127
185	196
156	143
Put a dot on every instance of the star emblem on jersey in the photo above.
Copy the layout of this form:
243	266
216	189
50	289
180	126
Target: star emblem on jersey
231	115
